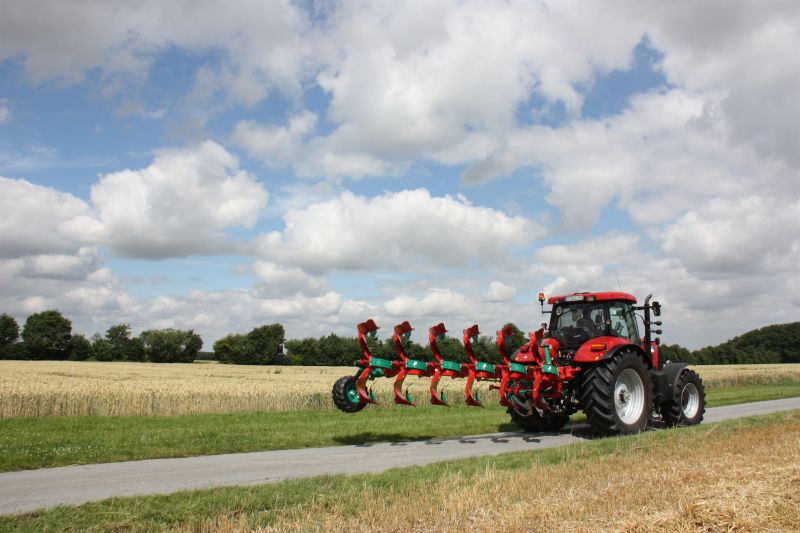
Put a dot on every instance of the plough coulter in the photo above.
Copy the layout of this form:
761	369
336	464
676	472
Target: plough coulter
589	357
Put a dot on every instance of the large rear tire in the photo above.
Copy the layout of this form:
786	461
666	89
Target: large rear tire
536	422
345	396
688	403
617	395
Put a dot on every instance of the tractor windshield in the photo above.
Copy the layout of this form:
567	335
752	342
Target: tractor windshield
574	324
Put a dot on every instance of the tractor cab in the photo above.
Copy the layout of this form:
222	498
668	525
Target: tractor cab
579	318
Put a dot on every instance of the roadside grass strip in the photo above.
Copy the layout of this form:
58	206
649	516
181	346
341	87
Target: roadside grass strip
739	475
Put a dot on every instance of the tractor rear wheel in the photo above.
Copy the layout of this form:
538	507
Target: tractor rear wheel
617	395
345	396
688	403
538	422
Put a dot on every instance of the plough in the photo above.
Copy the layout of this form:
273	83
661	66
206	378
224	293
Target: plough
590	357
504	374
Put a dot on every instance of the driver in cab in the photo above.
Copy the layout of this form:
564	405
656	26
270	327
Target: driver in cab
583	322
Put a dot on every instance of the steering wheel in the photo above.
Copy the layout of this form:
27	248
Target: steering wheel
574	334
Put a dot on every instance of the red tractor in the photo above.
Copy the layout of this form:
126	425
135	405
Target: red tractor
591	357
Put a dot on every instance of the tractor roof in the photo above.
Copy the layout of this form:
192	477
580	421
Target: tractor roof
590	296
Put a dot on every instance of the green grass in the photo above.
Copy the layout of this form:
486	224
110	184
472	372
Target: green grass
30	443
267	505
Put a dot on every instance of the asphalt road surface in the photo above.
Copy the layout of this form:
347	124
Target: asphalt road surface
30	490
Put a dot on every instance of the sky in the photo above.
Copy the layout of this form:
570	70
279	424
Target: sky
217	166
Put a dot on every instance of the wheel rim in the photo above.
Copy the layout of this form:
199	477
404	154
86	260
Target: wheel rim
629	396
352	394
690	400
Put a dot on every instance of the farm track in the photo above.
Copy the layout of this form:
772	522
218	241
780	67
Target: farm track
31	490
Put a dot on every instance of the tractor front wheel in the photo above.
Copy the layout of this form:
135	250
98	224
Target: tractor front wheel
688	403
537	422
345	396
617	395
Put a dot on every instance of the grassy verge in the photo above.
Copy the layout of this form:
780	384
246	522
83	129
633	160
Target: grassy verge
701	478
29	443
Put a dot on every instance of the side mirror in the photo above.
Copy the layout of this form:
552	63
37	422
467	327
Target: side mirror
656	309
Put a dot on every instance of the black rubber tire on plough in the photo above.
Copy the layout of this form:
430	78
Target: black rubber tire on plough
343	395
688	404
536	422
599	389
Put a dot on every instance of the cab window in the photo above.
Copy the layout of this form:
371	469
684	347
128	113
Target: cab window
623	321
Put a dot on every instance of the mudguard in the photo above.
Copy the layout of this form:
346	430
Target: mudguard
585	354
672	371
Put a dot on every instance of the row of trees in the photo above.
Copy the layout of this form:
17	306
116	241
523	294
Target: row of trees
48	335
334	350
262	346
779	343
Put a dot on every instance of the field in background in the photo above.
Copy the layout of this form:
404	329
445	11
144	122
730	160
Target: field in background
67	388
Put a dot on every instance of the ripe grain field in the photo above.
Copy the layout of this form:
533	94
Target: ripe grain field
69	388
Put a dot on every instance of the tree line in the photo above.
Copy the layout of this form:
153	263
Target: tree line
336	350
48	335
779	343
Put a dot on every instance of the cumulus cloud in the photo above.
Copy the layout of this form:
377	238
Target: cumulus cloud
500	292
394	230
436	302
744	236
275	280
647	160
38	219
179	205
276	146
261	41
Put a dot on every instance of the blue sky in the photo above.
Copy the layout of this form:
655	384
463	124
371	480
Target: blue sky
197	166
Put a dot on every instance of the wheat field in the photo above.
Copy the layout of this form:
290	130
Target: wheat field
69	388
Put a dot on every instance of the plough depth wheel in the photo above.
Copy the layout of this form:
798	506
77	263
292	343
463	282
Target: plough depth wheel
345	395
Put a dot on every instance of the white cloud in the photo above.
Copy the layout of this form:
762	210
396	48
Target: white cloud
395	230
179	205
611	248
708	47
500	292
740	236
5	112
300	306
280	281
38	220
276	146
435	302
648	159
261	42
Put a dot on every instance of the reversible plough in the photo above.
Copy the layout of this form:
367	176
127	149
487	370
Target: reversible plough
589	357
371	367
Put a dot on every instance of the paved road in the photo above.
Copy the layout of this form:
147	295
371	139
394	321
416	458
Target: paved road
49	487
